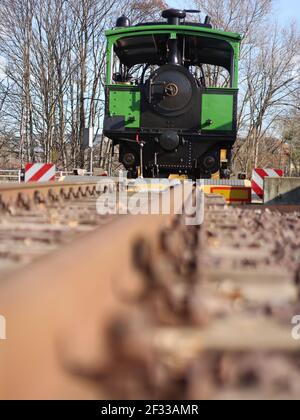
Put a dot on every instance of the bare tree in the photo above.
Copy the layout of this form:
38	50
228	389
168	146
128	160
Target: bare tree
290	128
52	54
15	42
268	69
269	83
54	58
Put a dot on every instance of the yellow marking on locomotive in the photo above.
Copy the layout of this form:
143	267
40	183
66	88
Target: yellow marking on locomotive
223	160
232	193
223	155
177	176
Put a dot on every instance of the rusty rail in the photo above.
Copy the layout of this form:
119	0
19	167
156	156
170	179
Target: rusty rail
35	193
147	307
35	219
58	310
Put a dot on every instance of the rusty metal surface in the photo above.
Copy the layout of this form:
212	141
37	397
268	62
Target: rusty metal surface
59	309
147	307
36	219
26	195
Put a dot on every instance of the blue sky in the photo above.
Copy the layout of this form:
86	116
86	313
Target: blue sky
288	9
285	9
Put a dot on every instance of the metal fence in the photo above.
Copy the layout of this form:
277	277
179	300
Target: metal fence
60	174
10	175
15	175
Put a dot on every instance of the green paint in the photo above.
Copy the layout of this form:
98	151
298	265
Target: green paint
217	111
217	108
125	103
171	28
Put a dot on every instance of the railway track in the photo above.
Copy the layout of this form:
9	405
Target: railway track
147	307
36	219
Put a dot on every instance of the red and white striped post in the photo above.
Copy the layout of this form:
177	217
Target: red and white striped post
257	182
39	172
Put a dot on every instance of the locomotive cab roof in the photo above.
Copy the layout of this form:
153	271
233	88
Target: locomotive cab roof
185	26
146	42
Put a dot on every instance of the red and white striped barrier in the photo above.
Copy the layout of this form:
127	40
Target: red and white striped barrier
257	181
39	172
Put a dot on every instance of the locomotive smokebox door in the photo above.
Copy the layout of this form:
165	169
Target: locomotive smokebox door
171	99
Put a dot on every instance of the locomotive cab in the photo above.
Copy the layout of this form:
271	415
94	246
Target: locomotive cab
171	95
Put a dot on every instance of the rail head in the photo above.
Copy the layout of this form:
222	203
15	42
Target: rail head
12	195
67	303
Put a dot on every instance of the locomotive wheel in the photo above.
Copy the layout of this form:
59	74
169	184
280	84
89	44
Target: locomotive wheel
132	173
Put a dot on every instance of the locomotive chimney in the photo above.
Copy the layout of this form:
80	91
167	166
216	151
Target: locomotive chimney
174	56
173	16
